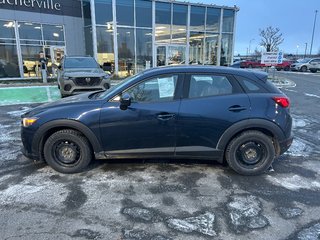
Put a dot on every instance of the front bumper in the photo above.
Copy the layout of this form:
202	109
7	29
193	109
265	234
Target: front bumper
27	138
73	88
295	68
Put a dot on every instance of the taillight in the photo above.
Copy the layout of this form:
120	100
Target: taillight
282	101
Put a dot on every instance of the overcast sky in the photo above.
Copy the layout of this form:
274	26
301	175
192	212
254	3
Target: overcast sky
294	18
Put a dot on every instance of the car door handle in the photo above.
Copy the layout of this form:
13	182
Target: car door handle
236	108
165	116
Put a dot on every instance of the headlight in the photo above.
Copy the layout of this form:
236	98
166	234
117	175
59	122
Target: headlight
26	122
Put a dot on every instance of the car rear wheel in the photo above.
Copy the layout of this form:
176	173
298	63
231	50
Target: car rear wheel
67	151
250	153
303	69
313	70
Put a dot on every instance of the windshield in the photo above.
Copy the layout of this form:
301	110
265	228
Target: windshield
80	63
118	86
304	60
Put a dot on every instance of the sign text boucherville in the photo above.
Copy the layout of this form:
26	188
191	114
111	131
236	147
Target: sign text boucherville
41	4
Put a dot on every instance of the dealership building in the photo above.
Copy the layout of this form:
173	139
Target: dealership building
125	36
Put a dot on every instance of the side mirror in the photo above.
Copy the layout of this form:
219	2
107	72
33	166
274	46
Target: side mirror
125	101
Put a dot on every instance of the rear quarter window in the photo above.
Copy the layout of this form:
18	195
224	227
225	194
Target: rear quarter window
258	86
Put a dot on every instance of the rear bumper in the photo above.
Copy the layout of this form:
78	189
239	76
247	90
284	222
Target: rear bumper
285	145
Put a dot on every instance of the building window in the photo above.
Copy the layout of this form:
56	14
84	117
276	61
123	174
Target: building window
126	53
53	33
103	9
211	49
196	47
30	57
197	18
163	22
228	20
125	10
179	24
30	33
105	48
86	7
143	13
144	49
226	49
213	19
9	66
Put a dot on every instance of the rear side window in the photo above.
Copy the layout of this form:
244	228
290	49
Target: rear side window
251	86
209	85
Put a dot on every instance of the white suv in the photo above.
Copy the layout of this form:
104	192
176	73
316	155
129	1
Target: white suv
312	64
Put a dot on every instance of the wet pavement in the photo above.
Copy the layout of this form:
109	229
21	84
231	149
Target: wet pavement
162	200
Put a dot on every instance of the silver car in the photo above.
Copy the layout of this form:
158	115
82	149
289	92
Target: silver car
312	64
80	74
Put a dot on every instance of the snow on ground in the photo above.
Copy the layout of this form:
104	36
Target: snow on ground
311	95
294	182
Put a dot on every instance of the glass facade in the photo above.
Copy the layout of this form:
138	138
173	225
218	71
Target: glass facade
9	64
133	35
125	36
25	40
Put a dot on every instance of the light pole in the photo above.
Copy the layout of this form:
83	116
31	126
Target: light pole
297	50
305	50
314	26
250	44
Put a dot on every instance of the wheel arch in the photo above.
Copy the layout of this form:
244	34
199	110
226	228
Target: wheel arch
264	126
53	126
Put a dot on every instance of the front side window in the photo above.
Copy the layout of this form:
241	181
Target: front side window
154	90
209	85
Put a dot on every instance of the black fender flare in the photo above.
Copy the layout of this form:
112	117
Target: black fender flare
246	125
64	123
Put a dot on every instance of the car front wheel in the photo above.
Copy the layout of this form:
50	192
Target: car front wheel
303	69
67	151
250	153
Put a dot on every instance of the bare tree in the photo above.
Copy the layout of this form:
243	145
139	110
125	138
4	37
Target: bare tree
271	38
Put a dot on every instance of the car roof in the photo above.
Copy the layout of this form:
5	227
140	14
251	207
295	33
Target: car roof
206	69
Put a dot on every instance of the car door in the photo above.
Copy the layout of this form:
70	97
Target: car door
212	103
147	127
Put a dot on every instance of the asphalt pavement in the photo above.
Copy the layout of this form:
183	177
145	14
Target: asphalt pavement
162	199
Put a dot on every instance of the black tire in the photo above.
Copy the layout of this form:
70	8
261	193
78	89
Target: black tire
253	143
67	151
286	68
313	70
303	69
279	69
250	66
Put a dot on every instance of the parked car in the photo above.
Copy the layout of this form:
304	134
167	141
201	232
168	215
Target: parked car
196	112
235	64
285	65
81	74
306	64
250	63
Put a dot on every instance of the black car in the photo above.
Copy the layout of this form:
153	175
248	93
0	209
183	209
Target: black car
196	112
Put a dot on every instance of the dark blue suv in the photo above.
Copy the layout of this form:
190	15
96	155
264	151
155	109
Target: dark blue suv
195	112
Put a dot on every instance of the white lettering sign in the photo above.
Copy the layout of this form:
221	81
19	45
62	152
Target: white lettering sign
41	4
271	58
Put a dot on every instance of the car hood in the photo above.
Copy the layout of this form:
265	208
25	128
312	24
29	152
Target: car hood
89	72
73	100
